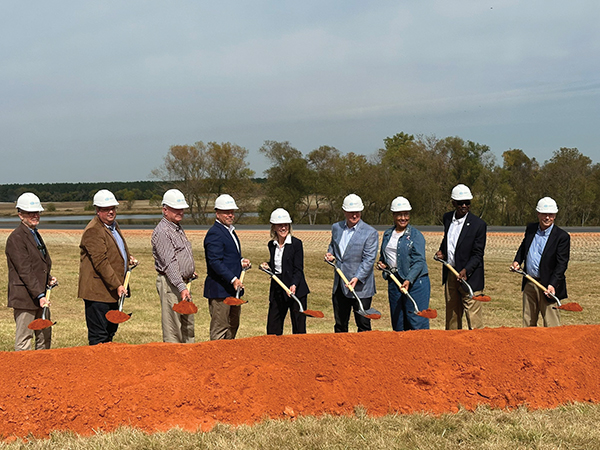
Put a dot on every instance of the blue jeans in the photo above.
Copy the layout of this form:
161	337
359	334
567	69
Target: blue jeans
402	309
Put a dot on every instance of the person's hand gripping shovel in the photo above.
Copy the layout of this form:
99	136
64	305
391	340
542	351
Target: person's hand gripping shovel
44	322
370	313
235	301
117	315
562	306
309	312
186	306
466	286
427	313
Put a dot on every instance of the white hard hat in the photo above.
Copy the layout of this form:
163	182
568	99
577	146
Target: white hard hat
461	192
29	202
175	199
400	204
225	202
104	198
352	203
279	216
547	205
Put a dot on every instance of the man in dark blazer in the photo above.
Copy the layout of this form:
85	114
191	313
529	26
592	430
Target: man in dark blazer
29	267
544	254
224	265
463	246
103	262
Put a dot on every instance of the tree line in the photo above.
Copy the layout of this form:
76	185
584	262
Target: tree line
422	168
311	187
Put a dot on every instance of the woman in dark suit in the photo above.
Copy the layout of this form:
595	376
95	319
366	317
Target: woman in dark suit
287	262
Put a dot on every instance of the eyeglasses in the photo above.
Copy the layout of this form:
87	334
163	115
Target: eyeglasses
463	202
107	209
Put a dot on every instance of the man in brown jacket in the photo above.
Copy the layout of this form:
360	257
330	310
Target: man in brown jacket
29	267
104	257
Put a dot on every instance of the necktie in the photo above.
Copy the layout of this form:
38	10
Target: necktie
40	242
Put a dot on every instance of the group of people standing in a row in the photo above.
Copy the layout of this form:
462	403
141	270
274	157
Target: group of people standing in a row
105	260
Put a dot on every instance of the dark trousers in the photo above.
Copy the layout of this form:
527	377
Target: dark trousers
279	305
342	306
100	330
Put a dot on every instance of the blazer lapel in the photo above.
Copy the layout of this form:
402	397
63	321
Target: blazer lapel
465	230
549	243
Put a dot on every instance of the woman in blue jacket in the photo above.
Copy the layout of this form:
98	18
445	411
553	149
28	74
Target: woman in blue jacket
403	252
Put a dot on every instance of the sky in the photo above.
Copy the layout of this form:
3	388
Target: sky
99	91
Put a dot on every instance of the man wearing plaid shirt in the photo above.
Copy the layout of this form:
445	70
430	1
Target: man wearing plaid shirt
174	263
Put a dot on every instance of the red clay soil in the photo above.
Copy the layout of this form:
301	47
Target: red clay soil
160	386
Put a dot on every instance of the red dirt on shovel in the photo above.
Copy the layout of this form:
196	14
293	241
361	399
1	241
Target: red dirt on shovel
117	316
312	313
373	316
40	324
428	313
158	386
571	307
482	298
232	301
185	307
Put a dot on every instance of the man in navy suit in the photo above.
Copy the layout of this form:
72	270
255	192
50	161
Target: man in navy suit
354	247
463	247
224	265
545	252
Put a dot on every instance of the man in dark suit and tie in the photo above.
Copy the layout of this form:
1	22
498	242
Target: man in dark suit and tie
544	254
463	247
224	265
29	267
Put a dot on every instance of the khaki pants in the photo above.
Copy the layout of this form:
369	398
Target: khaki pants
224	319
458	304
534	303
23	335
178	328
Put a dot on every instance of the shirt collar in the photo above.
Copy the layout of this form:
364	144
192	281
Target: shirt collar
288	240
355	227
173	225
461	220
229	228
546	232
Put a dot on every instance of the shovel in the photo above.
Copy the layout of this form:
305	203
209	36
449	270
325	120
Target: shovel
308	312
427	313
187	306
43	323
235	301
118	316
479	298
370	313
565	307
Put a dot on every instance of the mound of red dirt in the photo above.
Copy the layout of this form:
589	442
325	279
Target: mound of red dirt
160	386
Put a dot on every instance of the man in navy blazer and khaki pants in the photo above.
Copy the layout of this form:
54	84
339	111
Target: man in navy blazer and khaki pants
354	246
224	265
544	253
463	247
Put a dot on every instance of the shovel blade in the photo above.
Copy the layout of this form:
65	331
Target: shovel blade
40	324
116	316
311	313
233	301
370	313
427	313
568	307
185	307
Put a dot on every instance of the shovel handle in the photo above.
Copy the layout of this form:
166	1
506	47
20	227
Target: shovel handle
402	288
537	283
448	266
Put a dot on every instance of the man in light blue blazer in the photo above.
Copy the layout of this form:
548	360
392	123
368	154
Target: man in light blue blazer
354	247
